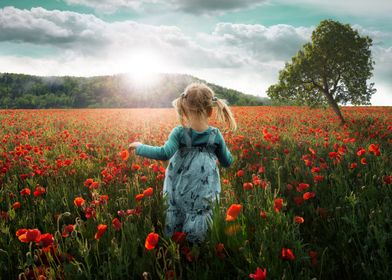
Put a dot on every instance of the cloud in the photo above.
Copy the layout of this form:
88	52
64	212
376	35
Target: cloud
370	9
87	35
212	6
246	57
188	6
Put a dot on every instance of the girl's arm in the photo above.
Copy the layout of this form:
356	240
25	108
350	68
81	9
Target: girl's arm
224	156
164	152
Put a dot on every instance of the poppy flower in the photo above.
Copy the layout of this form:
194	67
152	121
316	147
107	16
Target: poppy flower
233	212
67	230
302	186
151	241
16	205
139	196
116	224
298	220
387	180
263	214
363	161
45	240
220	250
148	192
240	173
287	254
79	201
308	195
260	274
25	192
248	186
135	167
101	230
278	204
39	191
30	235
313	257
124	155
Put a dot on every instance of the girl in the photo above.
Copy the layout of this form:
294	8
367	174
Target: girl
192	181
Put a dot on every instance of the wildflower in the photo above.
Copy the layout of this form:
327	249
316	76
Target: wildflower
148	192
101	230
298	220
116	224
151	241
30	235
287	254
179	237
79	201
308	195
278	204
233	212
67	230
124	155
25	192
260	274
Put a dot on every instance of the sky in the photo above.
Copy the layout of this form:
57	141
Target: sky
240	44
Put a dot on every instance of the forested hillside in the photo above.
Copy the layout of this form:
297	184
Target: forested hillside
118	91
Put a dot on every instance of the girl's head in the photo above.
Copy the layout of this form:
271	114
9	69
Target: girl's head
197	102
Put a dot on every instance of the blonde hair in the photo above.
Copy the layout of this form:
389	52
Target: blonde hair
198	100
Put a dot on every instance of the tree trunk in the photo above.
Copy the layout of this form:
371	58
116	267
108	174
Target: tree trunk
334	106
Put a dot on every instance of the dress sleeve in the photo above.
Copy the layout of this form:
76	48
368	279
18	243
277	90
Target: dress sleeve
224	156
164	152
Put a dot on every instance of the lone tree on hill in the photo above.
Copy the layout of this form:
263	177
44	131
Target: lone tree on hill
333	68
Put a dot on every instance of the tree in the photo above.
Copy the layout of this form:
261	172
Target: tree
333	68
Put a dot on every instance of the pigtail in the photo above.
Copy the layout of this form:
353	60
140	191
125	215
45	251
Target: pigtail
224	113
178	104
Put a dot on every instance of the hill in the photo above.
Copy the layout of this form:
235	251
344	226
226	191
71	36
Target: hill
117	91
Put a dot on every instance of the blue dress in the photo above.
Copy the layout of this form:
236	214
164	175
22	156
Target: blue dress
192	180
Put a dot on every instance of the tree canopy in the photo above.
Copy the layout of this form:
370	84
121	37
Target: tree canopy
118	91
333	68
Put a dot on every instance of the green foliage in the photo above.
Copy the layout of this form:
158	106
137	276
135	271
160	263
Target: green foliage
333	68
119	91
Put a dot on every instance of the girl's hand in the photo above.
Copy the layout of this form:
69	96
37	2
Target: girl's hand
133	146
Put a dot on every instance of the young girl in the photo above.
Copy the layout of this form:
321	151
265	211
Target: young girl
192	181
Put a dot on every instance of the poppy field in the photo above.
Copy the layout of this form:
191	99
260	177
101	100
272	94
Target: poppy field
305	198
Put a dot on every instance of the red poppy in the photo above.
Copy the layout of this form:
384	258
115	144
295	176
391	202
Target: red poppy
287	254
116	224
30	235
313	257
278	204
79	201
302	186
308	195
124	154
260	274
16	205
263	215
248	186
39	191
67	230
363	161
25	192
135	167
298	220
151	241
240	173
45	240
233	212
148	192
388	180
220	250
101	230
139	197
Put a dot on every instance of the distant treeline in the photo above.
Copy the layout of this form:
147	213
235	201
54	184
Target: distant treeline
118	91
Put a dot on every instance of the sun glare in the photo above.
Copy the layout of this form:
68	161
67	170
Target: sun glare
143	68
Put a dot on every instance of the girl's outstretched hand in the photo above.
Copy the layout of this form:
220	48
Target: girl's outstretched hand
133	146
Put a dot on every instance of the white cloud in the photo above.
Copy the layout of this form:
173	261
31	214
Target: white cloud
241	56
370	9
188	6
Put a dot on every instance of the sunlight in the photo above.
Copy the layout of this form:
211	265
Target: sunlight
143	68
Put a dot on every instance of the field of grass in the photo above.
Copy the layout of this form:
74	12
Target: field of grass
314	197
